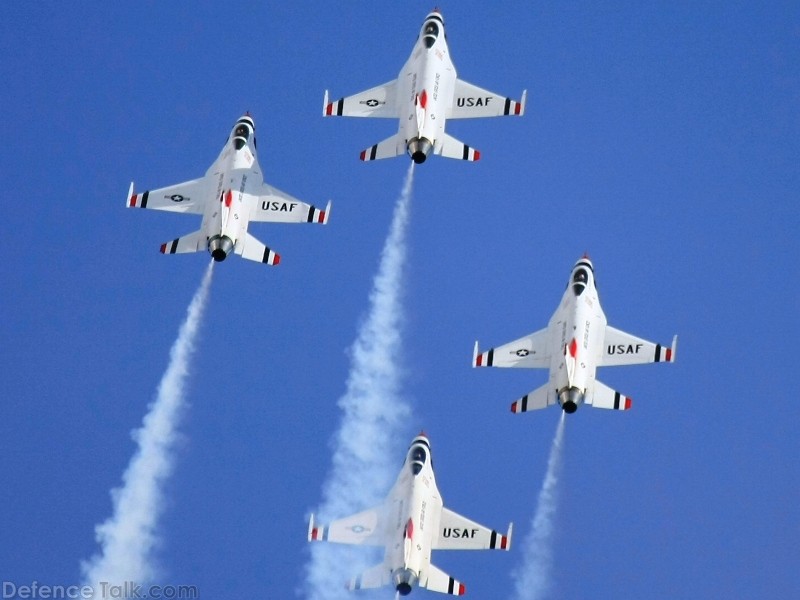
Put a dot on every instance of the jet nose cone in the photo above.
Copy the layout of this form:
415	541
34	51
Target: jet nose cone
585	260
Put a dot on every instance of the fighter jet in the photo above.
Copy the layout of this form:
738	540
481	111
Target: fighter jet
410	523
575	342
230	195
424	95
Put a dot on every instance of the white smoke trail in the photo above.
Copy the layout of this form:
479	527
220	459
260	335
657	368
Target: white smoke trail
364	448
128	538
534	576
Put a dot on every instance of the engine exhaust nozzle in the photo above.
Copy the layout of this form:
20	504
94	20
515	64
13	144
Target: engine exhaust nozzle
570	399
404	580
220	246
419	149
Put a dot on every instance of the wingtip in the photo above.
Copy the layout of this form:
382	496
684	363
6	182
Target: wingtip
327	213
674	347
523	102
130	196
325	105
475	355
508	535
310	527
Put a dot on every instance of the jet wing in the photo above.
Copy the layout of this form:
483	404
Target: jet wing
360	529
529	352
460	533
380	101
186	197
276	206
470	101
620	348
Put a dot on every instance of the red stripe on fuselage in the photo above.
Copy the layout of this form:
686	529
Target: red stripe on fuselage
409	532
573	348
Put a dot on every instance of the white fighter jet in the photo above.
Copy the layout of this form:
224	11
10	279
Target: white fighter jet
424	95
230	196
575	342
410	523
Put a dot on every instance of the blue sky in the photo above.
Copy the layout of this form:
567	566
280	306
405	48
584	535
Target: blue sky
662	139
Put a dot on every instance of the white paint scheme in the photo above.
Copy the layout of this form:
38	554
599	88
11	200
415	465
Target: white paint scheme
426	93
410	523
230	196
575	342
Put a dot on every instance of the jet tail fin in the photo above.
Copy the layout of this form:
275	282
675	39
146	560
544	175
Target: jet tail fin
388	148
374	577
452	148
252	249
541	397
439	581
604	397
191	242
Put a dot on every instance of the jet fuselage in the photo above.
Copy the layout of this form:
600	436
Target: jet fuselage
427	87
577	329
239	180
414	511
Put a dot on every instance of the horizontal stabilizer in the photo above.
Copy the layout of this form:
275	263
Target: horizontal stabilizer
374	577
388	148
539	398
439	581
605	397
452	148
191	242
252	249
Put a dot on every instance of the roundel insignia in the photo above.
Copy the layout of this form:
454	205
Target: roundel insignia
522	352
177	198
372	102
358	529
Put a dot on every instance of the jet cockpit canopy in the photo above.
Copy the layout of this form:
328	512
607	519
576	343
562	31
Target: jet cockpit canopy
418	453
579	280
431	29
244	128
417	456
